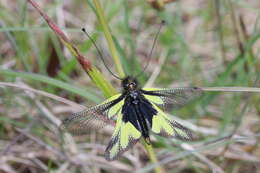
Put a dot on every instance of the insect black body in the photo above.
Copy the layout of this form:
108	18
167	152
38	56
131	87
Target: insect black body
137	109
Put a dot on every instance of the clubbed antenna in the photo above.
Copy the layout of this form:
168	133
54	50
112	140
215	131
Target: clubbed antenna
100	54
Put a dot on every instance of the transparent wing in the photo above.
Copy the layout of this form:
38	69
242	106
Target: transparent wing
174	98
93	118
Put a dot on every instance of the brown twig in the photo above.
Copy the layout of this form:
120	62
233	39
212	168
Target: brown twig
86	64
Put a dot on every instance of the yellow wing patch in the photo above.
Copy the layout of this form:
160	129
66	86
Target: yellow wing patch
160	124
114	109
125	135
165	126
111	98
154	99
152	89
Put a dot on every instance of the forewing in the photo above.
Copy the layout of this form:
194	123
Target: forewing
124	137
173	98
93	118
163	125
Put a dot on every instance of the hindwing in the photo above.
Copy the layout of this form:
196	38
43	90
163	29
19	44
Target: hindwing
124	137
163	125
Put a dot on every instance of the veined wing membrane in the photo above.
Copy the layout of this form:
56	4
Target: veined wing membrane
174	98
93	118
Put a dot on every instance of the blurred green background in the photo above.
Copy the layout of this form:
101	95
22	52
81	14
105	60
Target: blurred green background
204	43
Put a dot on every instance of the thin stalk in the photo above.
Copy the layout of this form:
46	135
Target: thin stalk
235	27
220	31
231	89
109	39
246	37
152	156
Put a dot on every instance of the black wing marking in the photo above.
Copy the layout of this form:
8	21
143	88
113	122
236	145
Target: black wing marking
173	98
96	117
125	134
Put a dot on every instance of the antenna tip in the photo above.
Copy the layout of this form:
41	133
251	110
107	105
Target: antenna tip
83	29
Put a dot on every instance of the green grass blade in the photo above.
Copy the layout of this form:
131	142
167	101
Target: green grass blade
53	82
